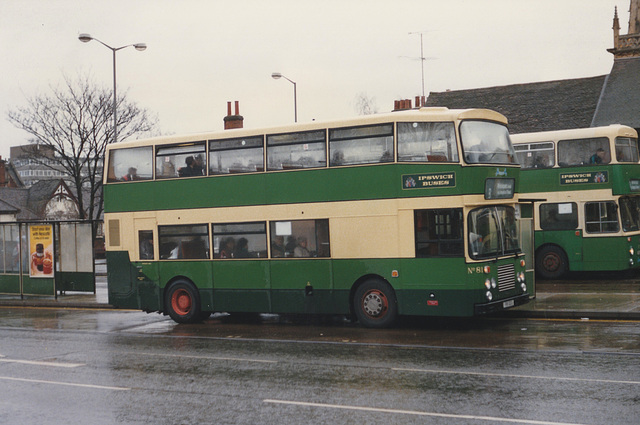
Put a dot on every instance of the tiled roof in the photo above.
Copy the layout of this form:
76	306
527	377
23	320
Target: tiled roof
620	99
549	105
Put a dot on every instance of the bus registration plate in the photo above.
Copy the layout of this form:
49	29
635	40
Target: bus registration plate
508	304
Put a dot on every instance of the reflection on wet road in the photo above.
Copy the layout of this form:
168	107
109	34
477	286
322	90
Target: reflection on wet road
129	367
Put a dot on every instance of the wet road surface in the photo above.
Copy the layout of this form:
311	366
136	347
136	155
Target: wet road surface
76	366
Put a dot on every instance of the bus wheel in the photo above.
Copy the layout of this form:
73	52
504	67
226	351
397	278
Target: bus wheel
183	302
551	262
375	304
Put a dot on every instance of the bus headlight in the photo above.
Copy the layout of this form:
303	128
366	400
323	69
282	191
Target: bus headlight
521	277
487	284
493	283
489	295
523	286
631	261
631	251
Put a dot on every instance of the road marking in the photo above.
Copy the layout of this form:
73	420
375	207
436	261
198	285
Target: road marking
506	375
39	363
68	384
418	413
233	359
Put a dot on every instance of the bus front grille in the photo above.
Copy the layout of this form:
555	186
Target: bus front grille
506	277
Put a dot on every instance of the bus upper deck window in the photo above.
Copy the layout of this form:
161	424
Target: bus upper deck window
587	151
185	160
485	142
626	149
130	164
296	150
231	156
361	145
427	142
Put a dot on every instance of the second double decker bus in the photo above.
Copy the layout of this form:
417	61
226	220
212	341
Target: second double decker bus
406	213
588	184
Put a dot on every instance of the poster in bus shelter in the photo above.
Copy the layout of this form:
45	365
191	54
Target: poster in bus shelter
41	250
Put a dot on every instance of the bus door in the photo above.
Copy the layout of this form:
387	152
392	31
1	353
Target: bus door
240	267
300	269
526	223
145	272
599	251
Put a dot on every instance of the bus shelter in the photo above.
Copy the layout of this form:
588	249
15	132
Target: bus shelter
45	258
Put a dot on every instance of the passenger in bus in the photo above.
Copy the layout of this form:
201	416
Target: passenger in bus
168	169
277	247
541	161
198	166
228	246
132	174
598	157
338	158
188	169
290	246
242	249
146	246
175	252
301	250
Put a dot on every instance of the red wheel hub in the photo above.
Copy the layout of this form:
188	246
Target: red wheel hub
551	262
181	302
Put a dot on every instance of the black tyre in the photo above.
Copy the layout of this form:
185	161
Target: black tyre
551	262
183	302
375	304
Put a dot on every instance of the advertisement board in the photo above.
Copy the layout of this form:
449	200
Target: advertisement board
41	250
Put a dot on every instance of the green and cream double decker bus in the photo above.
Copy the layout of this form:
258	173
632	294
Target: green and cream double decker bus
589	181
405	213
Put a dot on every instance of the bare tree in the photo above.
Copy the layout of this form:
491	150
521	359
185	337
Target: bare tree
76	123
365	105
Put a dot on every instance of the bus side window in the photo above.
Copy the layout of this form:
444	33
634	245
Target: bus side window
300	239
240	240
361	145
427	142
188	160
626	149
145	244
232	156
601	217
189	241
438	233
583	151
296	150
559	216
130	164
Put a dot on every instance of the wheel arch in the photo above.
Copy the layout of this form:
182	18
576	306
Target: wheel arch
552	244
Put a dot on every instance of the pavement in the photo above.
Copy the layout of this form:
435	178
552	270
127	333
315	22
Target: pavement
593	296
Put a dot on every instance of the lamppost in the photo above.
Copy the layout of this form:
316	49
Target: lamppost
277	75
85	38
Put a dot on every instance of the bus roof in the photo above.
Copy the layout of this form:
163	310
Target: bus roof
422	114
575	133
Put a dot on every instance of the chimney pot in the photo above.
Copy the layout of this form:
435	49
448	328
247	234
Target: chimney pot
233	121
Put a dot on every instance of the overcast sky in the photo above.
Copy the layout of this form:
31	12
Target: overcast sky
203	53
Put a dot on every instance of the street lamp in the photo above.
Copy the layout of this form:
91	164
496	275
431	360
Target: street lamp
276	76
85	38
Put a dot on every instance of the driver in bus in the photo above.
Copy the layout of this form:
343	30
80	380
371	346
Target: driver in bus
598	157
